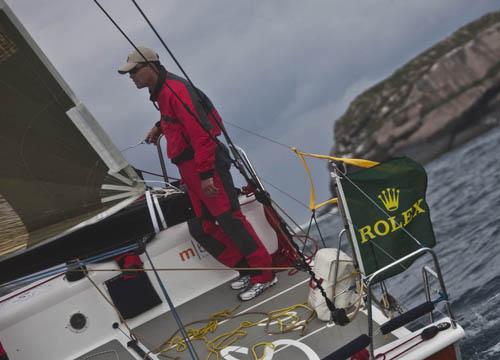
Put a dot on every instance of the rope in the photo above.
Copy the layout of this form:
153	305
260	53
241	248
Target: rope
283	212
304	239
157	71
132	270
215	345
159	175
134	146
241	162
286	320
260	135
286	313
178	343
308	229
319	230
237	156
285	193
241	165
173	310
264	343
305	264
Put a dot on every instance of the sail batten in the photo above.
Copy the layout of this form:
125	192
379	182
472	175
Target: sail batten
58	164
97	138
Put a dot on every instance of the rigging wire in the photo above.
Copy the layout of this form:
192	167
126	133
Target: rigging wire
192	84
116	25
285	193
259	135
228	139
133	146
159	175
239	162
319	230
164	44
374	243
173	310
247	173
344	174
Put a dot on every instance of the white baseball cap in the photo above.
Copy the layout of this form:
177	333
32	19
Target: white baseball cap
137	57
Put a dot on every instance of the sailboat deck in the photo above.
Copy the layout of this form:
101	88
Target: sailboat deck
289	291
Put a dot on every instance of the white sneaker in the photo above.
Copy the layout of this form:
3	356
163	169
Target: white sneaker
256	289
241	282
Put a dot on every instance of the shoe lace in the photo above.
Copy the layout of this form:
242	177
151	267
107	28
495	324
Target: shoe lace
258	287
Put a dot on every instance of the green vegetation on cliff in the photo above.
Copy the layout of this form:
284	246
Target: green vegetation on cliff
390	93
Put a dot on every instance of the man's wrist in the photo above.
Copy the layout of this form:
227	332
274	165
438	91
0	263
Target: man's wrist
158	124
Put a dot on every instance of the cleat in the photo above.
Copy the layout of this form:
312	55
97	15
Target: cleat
241	283
256	289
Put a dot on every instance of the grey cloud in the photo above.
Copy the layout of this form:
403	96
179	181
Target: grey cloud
286	69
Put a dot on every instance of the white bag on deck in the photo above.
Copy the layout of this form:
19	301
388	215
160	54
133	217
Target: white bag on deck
324	268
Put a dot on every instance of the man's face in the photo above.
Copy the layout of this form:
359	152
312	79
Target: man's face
140	75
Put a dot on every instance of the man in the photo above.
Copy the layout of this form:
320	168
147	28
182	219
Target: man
190	124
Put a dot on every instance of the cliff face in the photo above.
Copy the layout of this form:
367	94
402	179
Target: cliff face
437	101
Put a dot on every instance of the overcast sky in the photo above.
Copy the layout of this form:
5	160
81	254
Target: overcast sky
285	69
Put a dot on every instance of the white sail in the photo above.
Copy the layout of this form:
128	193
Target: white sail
58	164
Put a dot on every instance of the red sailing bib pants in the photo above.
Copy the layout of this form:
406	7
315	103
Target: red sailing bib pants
190	124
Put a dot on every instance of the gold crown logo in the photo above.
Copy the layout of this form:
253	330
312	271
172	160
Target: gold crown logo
390	198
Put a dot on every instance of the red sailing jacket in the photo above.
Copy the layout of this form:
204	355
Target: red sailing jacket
182	118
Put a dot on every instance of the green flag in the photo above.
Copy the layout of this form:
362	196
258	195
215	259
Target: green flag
389	214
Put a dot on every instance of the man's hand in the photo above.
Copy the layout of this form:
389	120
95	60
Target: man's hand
208	187
153	135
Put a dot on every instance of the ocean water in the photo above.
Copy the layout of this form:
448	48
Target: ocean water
464	199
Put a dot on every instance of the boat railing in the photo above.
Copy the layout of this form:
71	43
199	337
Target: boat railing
417	311
161	158
241	152
425	275
250	167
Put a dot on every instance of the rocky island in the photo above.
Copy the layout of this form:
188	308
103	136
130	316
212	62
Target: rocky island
437	101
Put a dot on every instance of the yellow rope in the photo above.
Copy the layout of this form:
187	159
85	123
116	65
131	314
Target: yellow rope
222	341
286	320
312	191
349	161
179	344
264	343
